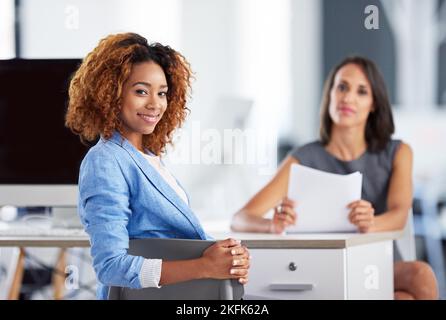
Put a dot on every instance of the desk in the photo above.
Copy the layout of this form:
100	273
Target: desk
299	266
62	242
45	241
319	266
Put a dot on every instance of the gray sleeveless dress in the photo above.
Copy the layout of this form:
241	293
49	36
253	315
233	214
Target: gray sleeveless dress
376	169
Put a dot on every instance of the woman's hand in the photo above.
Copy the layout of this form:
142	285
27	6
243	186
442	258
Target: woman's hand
227	259
284	216
362	215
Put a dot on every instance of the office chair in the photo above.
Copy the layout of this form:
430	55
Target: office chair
177	249
406	244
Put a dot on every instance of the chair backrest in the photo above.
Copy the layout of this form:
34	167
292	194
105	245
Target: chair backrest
406	244
177	249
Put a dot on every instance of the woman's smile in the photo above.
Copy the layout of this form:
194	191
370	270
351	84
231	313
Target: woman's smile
346	110
149	118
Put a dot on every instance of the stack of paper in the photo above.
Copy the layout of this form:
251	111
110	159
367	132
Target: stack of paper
322	199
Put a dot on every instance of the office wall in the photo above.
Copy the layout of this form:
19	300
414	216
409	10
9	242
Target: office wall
240	57
307	67
208	30
7	34
442	49
72	28
344	34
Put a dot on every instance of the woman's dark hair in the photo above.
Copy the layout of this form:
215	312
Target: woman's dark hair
380	126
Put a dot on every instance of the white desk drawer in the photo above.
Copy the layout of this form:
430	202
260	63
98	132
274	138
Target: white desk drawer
297	274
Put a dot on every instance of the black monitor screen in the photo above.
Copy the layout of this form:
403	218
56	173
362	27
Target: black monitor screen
35	145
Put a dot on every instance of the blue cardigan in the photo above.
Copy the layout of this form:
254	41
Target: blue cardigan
121	196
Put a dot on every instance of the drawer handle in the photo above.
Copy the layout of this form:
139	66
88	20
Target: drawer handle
291	286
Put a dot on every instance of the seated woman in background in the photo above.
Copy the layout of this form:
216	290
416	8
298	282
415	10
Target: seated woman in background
355	135
133	95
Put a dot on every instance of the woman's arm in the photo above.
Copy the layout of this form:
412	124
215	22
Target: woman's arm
399	198
223	260
105	211
250	217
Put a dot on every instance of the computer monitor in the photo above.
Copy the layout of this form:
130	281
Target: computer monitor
39	156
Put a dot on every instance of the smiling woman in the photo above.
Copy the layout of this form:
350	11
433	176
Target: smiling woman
115	73
144	101
133	95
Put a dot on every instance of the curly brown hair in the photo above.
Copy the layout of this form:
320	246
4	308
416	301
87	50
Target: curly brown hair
95	91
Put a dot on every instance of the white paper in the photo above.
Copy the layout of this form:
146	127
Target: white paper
322	199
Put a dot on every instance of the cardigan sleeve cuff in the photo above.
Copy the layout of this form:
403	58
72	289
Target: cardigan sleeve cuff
150	273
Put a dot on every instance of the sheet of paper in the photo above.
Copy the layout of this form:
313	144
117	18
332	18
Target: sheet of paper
322	199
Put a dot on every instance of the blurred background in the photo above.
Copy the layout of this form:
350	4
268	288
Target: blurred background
259	68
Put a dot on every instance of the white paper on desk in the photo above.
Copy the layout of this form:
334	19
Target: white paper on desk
322	199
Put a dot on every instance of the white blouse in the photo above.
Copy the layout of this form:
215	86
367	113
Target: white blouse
150	273
155	162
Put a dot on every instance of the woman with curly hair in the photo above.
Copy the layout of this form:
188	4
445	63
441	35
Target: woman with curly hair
132	95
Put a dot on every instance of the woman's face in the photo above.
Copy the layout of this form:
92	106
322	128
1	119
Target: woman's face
351	98
144	99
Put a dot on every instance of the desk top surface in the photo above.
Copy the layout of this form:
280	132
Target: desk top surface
307	240
44	241
251	240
